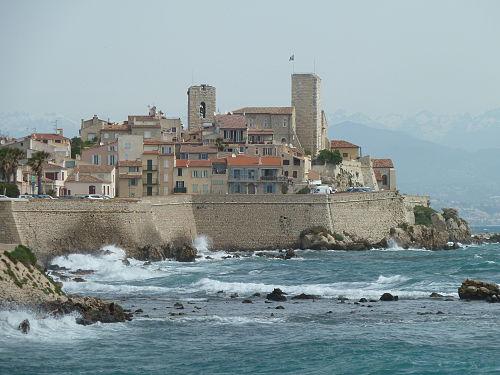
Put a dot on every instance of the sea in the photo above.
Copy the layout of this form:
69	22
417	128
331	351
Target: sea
216	333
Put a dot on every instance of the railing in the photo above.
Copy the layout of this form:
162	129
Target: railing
150	168
178	190
273	178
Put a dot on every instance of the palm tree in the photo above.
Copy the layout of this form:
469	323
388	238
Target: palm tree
9	161
36	163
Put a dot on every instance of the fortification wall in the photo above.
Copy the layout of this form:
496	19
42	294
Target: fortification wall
410	201
250	222
232	222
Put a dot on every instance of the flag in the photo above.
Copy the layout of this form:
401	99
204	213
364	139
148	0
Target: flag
292	58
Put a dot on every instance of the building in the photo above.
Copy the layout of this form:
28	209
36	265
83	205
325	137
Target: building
90	130
92	179
130	179
311	127
201	106
101	154
157	167
197	152
192	176
111	132
385	173
232	131
255	175
348	150
130	147
61	146
55	177
279	120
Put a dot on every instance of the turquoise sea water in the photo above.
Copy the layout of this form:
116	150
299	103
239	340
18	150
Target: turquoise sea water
219	334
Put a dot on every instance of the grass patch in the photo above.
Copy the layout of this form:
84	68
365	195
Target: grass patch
22	254
423	215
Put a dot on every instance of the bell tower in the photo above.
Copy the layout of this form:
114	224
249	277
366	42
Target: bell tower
201	105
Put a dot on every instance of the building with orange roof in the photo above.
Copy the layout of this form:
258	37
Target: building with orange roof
192	176
348	150
385	173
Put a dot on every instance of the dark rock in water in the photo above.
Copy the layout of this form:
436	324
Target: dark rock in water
24	326
372	300
234	295
148	263
267	301
78	280
178	306
126	262
59	275
440	313
81	272
138	311
220	292
478	290
246	301
55	267
363	300
279	308
276	295
208	257
256	294
342	299
388	297
186	253
305	296
329	312
435	295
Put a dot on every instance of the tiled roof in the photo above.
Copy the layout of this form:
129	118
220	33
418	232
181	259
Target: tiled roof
189	149
338	143
231	121
265	110
186	163
244	160
85	178
116	127
48	136
92	168
130	163
52	166
382	163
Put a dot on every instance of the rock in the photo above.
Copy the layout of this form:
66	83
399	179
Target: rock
305	296
81	272
78	280
178	306
138	311
246	301
363	300
220	292
208	257
279	307
234	295
55	267
435	295
388	297
24	326
276	295
148	263
440	313
342	299
126	262
256	294
478	290
186	253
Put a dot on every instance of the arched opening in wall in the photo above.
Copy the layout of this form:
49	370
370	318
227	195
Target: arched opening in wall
283	141
203	110
91	189
384	180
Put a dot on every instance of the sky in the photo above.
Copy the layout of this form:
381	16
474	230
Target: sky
114	58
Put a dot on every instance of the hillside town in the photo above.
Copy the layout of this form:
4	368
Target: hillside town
250	150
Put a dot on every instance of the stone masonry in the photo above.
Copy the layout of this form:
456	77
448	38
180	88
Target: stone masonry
201	99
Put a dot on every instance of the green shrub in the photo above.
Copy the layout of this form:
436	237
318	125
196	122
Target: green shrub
423	215
11	190
22	254
403	226
314	230
338	237
304	190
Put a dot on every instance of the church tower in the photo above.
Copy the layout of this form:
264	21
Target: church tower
201	105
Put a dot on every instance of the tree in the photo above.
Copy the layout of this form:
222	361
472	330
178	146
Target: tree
76	147
329	157
220	144
9	161
36	164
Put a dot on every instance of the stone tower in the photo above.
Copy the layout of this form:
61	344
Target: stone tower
201	105
306	98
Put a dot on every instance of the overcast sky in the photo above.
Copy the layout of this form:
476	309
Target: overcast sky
113	58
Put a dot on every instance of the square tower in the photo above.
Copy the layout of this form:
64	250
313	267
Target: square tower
306	98
201	105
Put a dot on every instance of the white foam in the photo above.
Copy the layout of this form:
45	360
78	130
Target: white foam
203	246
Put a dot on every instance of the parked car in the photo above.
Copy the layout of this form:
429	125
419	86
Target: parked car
26	196
6	198
322	189
44	196
94	197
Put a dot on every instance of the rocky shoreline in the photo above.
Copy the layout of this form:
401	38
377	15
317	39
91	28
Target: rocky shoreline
24	284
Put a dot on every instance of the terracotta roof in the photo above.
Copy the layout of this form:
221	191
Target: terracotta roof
92	168
189	149
265	110
244	160
84	178
116	127
186	163
338	143
130	163
313	175
378	175
52	166
231	121
48	136
382	163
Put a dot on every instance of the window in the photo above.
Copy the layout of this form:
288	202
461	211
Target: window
111	159
194	188
91	189
95	159
266	151
286	173
237	173
173	130
283	140
149	179
205	188
106	135
132	182
204	156
149	190
294	174
179	184
133	169
150	164
165	177
269	188
285	123
242	149
251	174
203	110
286	162
165	163
296	161
166	150
62	176
179	172
384	180
344	154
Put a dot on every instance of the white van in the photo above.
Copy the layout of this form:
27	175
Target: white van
322	189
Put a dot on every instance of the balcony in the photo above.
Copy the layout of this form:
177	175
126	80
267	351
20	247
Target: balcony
180	190
150	168
273	178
